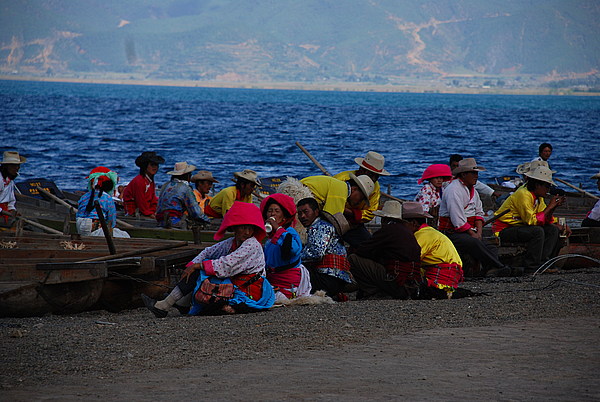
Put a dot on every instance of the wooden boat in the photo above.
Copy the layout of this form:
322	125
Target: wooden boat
42	273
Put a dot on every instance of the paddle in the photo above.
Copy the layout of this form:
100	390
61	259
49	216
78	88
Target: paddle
105	230
577	188
493	218
316	162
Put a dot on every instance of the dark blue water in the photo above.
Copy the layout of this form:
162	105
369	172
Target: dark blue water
65	130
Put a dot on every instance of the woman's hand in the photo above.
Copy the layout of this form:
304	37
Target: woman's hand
274	224
189	271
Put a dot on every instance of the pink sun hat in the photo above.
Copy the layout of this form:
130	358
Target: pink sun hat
436	170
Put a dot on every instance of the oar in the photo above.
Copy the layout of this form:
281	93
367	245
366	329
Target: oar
316	162
105	230
32	223
62	202
138	252
493	218
577	188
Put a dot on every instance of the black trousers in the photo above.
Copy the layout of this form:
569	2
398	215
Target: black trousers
485	253
330	284
541	242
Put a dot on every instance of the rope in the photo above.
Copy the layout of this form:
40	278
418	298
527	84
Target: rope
552	261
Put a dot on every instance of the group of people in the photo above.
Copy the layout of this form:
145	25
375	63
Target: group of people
314	232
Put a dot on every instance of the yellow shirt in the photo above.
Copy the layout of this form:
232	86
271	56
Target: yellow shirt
367	213
436	247
524	209
331	194
225	198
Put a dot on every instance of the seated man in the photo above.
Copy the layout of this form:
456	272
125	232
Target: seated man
9	170
530	221
372	166
461	219
323	254
245	183
140	194
388	264
440	262
593	217
341	198
177	198
203	181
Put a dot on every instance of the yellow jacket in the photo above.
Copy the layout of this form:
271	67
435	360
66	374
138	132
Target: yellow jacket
524	209
331	194
436	247
367	214
224	199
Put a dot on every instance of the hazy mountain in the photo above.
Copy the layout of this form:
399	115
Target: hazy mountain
300	40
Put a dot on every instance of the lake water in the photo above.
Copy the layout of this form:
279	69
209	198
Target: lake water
65	130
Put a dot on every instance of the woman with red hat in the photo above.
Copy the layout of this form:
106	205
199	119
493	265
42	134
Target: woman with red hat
283	248
239	260
430	194
101	182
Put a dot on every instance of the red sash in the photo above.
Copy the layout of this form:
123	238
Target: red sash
334	261
405	273
251	284
211	212
444	274
445	224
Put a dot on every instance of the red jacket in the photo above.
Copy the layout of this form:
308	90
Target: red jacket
140	194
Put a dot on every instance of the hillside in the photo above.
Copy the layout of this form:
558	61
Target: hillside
377	41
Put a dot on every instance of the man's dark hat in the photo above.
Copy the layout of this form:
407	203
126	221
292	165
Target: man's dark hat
147	157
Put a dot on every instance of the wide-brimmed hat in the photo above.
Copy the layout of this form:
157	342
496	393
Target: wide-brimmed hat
147	157
248	174
467	165
242	213
527	166
413	209
391	209
204	175
436	170
374	162
365	184
182	168
541	173
12	158
338	220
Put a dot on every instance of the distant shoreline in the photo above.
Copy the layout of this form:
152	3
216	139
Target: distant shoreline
339	86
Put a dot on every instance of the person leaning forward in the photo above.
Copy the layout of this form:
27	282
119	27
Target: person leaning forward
388	264
461	219
9	170
245	183
341	199
140	193
372	165
530	221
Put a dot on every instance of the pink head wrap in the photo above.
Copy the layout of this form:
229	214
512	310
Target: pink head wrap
285	201
242	213
436	170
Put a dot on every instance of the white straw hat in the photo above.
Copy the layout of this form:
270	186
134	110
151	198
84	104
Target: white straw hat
365	184
374	162
182	168
12	158
541	173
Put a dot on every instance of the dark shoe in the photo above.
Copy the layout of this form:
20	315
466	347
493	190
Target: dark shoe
149	303
517	271
498	272
183	310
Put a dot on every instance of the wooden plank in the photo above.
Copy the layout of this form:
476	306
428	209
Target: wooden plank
54	275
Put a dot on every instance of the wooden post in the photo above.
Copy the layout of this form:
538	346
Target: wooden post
109	240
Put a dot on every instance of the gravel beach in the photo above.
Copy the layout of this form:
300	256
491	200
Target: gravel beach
523	339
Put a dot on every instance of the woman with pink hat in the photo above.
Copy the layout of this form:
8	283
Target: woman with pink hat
237	260
283	248
431	193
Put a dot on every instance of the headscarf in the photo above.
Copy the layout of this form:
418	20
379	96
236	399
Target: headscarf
242	213
284	201
95	179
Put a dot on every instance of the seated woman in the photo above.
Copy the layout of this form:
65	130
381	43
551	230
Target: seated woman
101	183
283	247
593	217
239	260
431	193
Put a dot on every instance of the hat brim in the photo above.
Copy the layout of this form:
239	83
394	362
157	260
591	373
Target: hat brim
21	160
237	176
464	169
383	172
361	187
188	169
211	179
386	215
540	179
423	215
338	220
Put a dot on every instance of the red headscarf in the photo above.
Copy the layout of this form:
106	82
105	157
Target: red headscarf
284	201
242	213
437	170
